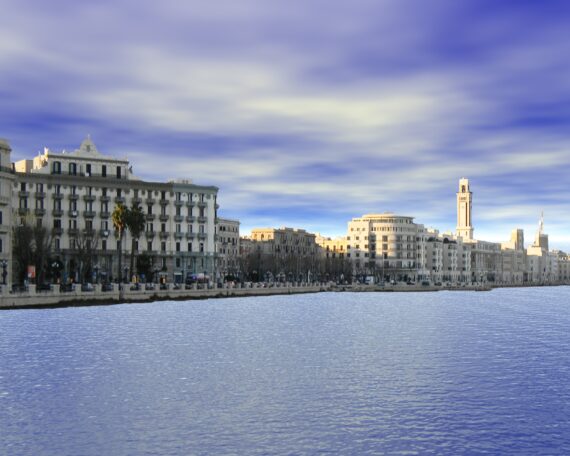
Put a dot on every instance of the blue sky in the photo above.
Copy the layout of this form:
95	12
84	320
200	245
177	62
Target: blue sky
308	113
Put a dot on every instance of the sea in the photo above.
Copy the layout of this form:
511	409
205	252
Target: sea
449	372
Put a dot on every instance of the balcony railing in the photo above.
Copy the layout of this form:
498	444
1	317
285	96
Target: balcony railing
73	231
72	213
190	218
163	202
202	219
149	234
178	218
178	202
120	199
104	233
190	235
23	211
164	234
23	194
88	198
40	194
163	217
137	201
178	234
88	214
190	203
105	198
202	235
150	217
73	196
39	212
57	213
57	231
150	201
57	196
105	214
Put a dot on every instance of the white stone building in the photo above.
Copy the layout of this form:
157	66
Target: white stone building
74	194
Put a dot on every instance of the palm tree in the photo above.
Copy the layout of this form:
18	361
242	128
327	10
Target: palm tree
135	222
119	217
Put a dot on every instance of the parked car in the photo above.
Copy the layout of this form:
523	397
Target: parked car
44	286
87	287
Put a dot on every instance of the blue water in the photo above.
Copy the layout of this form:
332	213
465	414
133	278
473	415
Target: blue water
330	373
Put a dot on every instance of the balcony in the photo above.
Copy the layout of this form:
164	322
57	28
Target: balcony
190	235
23	194
72	213
149	217
105	198
120	199
57	196
57	213
178	218
150	201
40	195
57	231
202	219
89	233
40	211
178	202
149	234
105	214
190	203
164	234
163	202
104	233
137	201
178	234
163	218
23	211
73	231
88	214
73	196
202	204
202	236
190	219
88	198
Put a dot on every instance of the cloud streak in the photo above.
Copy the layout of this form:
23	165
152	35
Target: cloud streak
308	113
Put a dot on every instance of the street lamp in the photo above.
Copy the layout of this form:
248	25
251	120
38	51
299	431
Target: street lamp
4	272
96	267
155	274
126	268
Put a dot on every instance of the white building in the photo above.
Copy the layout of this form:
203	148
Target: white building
74	194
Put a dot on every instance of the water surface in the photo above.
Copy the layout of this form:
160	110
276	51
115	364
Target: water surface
328	373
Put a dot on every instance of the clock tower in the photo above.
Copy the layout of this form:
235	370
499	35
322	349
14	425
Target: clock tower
464	203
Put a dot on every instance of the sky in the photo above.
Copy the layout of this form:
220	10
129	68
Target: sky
308	113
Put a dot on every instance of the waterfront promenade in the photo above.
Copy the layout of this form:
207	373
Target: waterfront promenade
32	298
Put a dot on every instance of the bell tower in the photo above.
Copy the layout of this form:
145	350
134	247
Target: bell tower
464	203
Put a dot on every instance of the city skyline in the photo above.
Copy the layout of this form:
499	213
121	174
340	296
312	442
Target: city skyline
309	114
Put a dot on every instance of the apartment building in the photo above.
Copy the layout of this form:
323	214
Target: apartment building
228	247
74	195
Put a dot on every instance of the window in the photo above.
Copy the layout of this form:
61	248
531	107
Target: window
177	262
149	245
118	172
104	170
189	246
104	225
104	244
57	223
149	209
56	167
201	247
1	245
88	170
57	243
163	246
163	227
73	169
0	217
178	246
119	193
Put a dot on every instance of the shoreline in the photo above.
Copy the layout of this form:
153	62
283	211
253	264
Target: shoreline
78	298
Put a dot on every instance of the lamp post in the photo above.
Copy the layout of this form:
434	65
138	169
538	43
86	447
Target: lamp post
96	267
4	272
155	274
126	268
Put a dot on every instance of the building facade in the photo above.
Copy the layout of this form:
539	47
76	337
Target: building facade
228	247
74	195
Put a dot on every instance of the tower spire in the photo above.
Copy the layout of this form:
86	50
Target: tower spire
464	206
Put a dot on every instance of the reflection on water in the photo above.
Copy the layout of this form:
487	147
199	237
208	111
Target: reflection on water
447	372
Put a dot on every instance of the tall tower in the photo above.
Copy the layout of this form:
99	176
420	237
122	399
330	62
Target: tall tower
464	202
